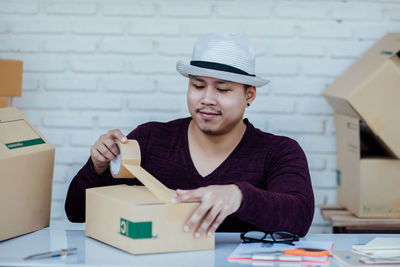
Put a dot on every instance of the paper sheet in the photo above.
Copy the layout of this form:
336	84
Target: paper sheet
380	247
348	258
381	243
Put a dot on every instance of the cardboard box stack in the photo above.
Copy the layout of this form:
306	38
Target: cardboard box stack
367	111
26	163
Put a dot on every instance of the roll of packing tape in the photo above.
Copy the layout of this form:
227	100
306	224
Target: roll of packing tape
129	154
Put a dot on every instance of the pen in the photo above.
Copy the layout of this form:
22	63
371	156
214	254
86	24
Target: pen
277	256
51	254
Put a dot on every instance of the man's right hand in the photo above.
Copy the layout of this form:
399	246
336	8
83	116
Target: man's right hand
105	149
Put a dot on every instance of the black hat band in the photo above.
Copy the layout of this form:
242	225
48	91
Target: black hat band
218	66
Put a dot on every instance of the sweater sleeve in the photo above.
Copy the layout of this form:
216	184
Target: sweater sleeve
88	178
287	202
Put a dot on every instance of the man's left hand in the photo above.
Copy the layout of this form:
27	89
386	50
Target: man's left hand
217	202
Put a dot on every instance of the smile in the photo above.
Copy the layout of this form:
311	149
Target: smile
208	115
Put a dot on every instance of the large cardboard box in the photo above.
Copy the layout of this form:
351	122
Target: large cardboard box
367	186
133	219
370	90
10	80
365	99
26	171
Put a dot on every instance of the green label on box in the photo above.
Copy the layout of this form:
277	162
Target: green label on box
25	143
19	133
377	209
352	148
383	52
136	230
338	177
352	126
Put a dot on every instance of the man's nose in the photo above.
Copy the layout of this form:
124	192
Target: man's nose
209	96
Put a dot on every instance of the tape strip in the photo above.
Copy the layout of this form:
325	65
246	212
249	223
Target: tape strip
127	165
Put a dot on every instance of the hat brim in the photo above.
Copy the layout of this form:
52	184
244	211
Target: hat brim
187	69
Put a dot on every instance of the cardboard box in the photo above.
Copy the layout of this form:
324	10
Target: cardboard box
365	99
26	171
10	77
369	91
140	219
367	186
131	218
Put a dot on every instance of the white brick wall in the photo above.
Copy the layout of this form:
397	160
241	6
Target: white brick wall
94	65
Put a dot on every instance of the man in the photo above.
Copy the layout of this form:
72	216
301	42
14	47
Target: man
246	179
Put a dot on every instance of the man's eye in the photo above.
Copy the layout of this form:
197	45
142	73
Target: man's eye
198	86
223	90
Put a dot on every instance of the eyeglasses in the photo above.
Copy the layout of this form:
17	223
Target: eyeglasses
269	238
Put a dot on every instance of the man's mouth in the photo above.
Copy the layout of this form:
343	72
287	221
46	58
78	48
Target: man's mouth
209	111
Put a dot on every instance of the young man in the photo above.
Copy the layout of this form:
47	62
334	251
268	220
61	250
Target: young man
246	179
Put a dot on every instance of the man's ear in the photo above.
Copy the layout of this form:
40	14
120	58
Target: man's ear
251	94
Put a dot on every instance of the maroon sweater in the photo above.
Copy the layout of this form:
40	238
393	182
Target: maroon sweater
271	171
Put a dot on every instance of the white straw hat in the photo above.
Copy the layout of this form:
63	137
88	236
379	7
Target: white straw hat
223	56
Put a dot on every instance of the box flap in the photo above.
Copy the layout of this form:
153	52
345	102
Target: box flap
18	136
371	146
133	195
377	102
10	77
350	81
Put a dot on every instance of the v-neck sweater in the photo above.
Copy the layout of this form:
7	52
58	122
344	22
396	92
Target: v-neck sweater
271	171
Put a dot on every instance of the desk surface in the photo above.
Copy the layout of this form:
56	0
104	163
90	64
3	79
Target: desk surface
94	253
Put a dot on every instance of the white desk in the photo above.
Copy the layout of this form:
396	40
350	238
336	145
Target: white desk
94	253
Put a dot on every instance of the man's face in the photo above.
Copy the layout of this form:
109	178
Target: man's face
216	105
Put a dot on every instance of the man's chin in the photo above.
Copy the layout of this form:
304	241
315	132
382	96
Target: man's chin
208	127
207	131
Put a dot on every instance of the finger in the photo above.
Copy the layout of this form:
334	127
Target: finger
217	222
189	195
117	134
105	152
197	215
209	219
181	191
112	146
98	157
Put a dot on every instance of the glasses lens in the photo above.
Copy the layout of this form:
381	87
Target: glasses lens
254	235
282	236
